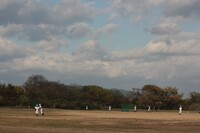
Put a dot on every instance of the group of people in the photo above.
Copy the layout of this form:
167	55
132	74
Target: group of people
149	109
38	108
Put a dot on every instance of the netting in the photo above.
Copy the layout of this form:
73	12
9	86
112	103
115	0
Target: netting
126	107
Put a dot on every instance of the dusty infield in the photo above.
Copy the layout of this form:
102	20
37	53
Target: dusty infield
73	121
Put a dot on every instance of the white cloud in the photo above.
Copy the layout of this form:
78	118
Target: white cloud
135	9
11	30
184	8
10	51
105	30
91	50
71	11
79	30
155	62
172	8
34	21
47	31
52	44
165	29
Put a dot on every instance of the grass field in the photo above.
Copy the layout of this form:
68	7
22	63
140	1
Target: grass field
73	121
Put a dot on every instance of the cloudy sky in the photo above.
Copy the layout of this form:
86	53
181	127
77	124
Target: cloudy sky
111	43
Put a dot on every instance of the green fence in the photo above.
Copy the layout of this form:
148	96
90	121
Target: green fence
126	107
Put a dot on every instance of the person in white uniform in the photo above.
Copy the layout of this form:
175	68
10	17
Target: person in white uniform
41	109
149	108
109	108
135	108
180	110
37	109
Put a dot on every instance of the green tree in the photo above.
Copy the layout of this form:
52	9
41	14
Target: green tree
3	100
171	98
96	96
118	98
156	97
194	97
33	88
194	101
11	95
151	95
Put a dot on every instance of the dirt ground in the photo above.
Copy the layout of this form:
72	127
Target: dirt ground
73	121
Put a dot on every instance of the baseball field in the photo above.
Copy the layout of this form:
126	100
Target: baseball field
14	120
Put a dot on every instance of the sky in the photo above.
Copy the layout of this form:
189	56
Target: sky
121	44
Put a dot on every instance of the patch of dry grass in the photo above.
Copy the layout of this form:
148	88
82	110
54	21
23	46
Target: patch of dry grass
70	121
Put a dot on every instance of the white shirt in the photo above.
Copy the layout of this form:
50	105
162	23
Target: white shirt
36	109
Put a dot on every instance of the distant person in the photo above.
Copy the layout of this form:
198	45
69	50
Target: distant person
149	108
41	110
135	108
37	109
109	108
86	107
180	110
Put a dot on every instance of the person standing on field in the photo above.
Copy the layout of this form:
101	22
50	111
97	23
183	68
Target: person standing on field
135	108
37	109
41	109
109	108
149	108
180	110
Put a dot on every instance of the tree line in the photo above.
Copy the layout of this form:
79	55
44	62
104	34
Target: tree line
51	94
